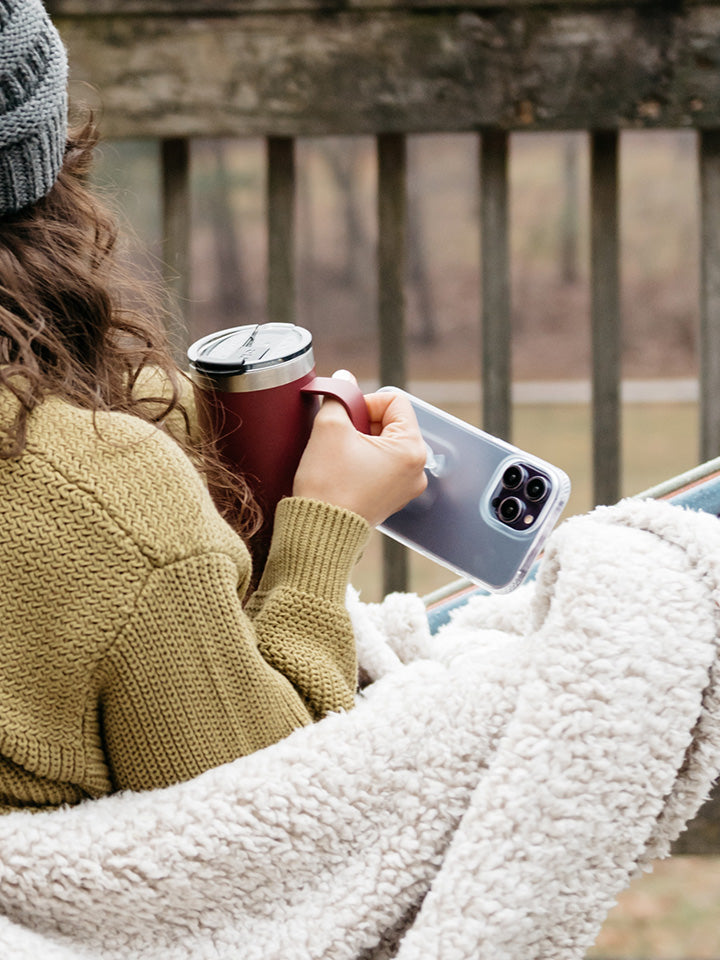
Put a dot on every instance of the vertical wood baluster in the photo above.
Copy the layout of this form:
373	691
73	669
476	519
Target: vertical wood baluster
175	182
281	229
570	214
605	315
710	295
494	245
392	214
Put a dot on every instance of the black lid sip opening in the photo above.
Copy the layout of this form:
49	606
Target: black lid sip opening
251	347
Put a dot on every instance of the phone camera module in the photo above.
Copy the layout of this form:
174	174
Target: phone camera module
521	495
513	477
511	509
536	489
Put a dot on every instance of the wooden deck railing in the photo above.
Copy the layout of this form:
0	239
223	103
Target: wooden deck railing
283	69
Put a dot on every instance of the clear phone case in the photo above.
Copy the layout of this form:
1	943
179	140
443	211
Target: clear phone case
488	507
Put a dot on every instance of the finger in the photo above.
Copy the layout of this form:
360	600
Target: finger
377	405
343	386
391	410
332	411
332	404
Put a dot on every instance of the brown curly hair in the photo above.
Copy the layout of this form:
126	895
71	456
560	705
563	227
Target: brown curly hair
69	329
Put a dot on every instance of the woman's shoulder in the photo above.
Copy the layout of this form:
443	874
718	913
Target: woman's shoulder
136	473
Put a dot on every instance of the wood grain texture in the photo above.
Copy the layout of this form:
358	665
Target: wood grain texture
281	192
495	271
709	345
605	314
211	7
575	66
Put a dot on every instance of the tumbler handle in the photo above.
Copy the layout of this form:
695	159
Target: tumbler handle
349	395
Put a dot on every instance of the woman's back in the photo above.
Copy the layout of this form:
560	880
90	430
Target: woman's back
127	658
86	519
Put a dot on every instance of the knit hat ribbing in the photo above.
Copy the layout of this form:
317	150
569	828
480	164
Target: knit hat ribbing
33	103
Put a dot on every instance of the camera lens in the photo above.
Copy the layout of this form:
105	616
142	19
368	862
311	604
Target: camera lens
536	488
510	509
513	477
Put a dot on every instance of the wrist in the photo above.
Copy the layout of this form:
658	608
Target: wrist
314	547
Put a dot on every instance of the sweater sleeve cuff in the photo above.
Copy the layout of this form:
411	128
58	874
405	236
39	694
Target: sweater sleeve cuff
314	547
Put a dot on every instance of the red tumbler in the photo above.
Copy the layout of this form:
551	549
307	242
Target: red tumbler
261	396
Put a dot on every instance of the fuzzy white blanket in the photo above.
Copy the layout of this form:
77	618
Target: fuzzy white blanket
490	795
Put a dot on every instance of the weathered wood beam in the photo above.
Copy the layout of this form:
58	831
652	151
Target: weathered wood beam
391	264
175	199
454	68
496	314
211	7
709	341
605	314
280	203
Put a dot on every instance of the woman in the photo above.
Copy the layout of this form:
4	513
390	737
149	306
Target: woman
129	654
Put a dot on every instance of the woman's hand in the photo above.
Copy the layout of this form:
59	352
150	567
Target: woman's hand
375	475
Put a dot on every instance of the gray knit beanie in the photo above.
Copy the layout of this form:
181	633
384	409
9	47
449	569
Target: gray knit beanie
33	103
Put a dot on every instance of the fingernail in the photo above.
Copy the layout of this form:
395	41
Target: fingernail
344	375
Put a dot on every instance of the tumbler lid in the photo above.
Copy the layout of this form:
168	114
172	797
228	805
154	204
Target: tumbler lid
250	347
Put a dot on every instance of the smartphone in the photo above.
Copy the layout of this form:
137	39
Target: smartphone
488	507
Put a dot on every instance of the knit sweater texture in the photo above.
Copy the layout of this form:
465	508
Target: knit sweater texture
127	658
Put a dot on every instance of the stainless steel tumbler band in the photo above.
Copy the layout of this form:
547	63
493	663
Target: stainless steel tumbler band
259	378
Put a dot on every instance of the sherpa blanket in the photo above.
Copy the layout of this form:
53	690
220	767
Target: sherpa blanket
492	792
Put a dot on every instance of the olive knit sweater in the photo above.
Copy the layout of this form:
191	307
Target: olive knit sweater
127	659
